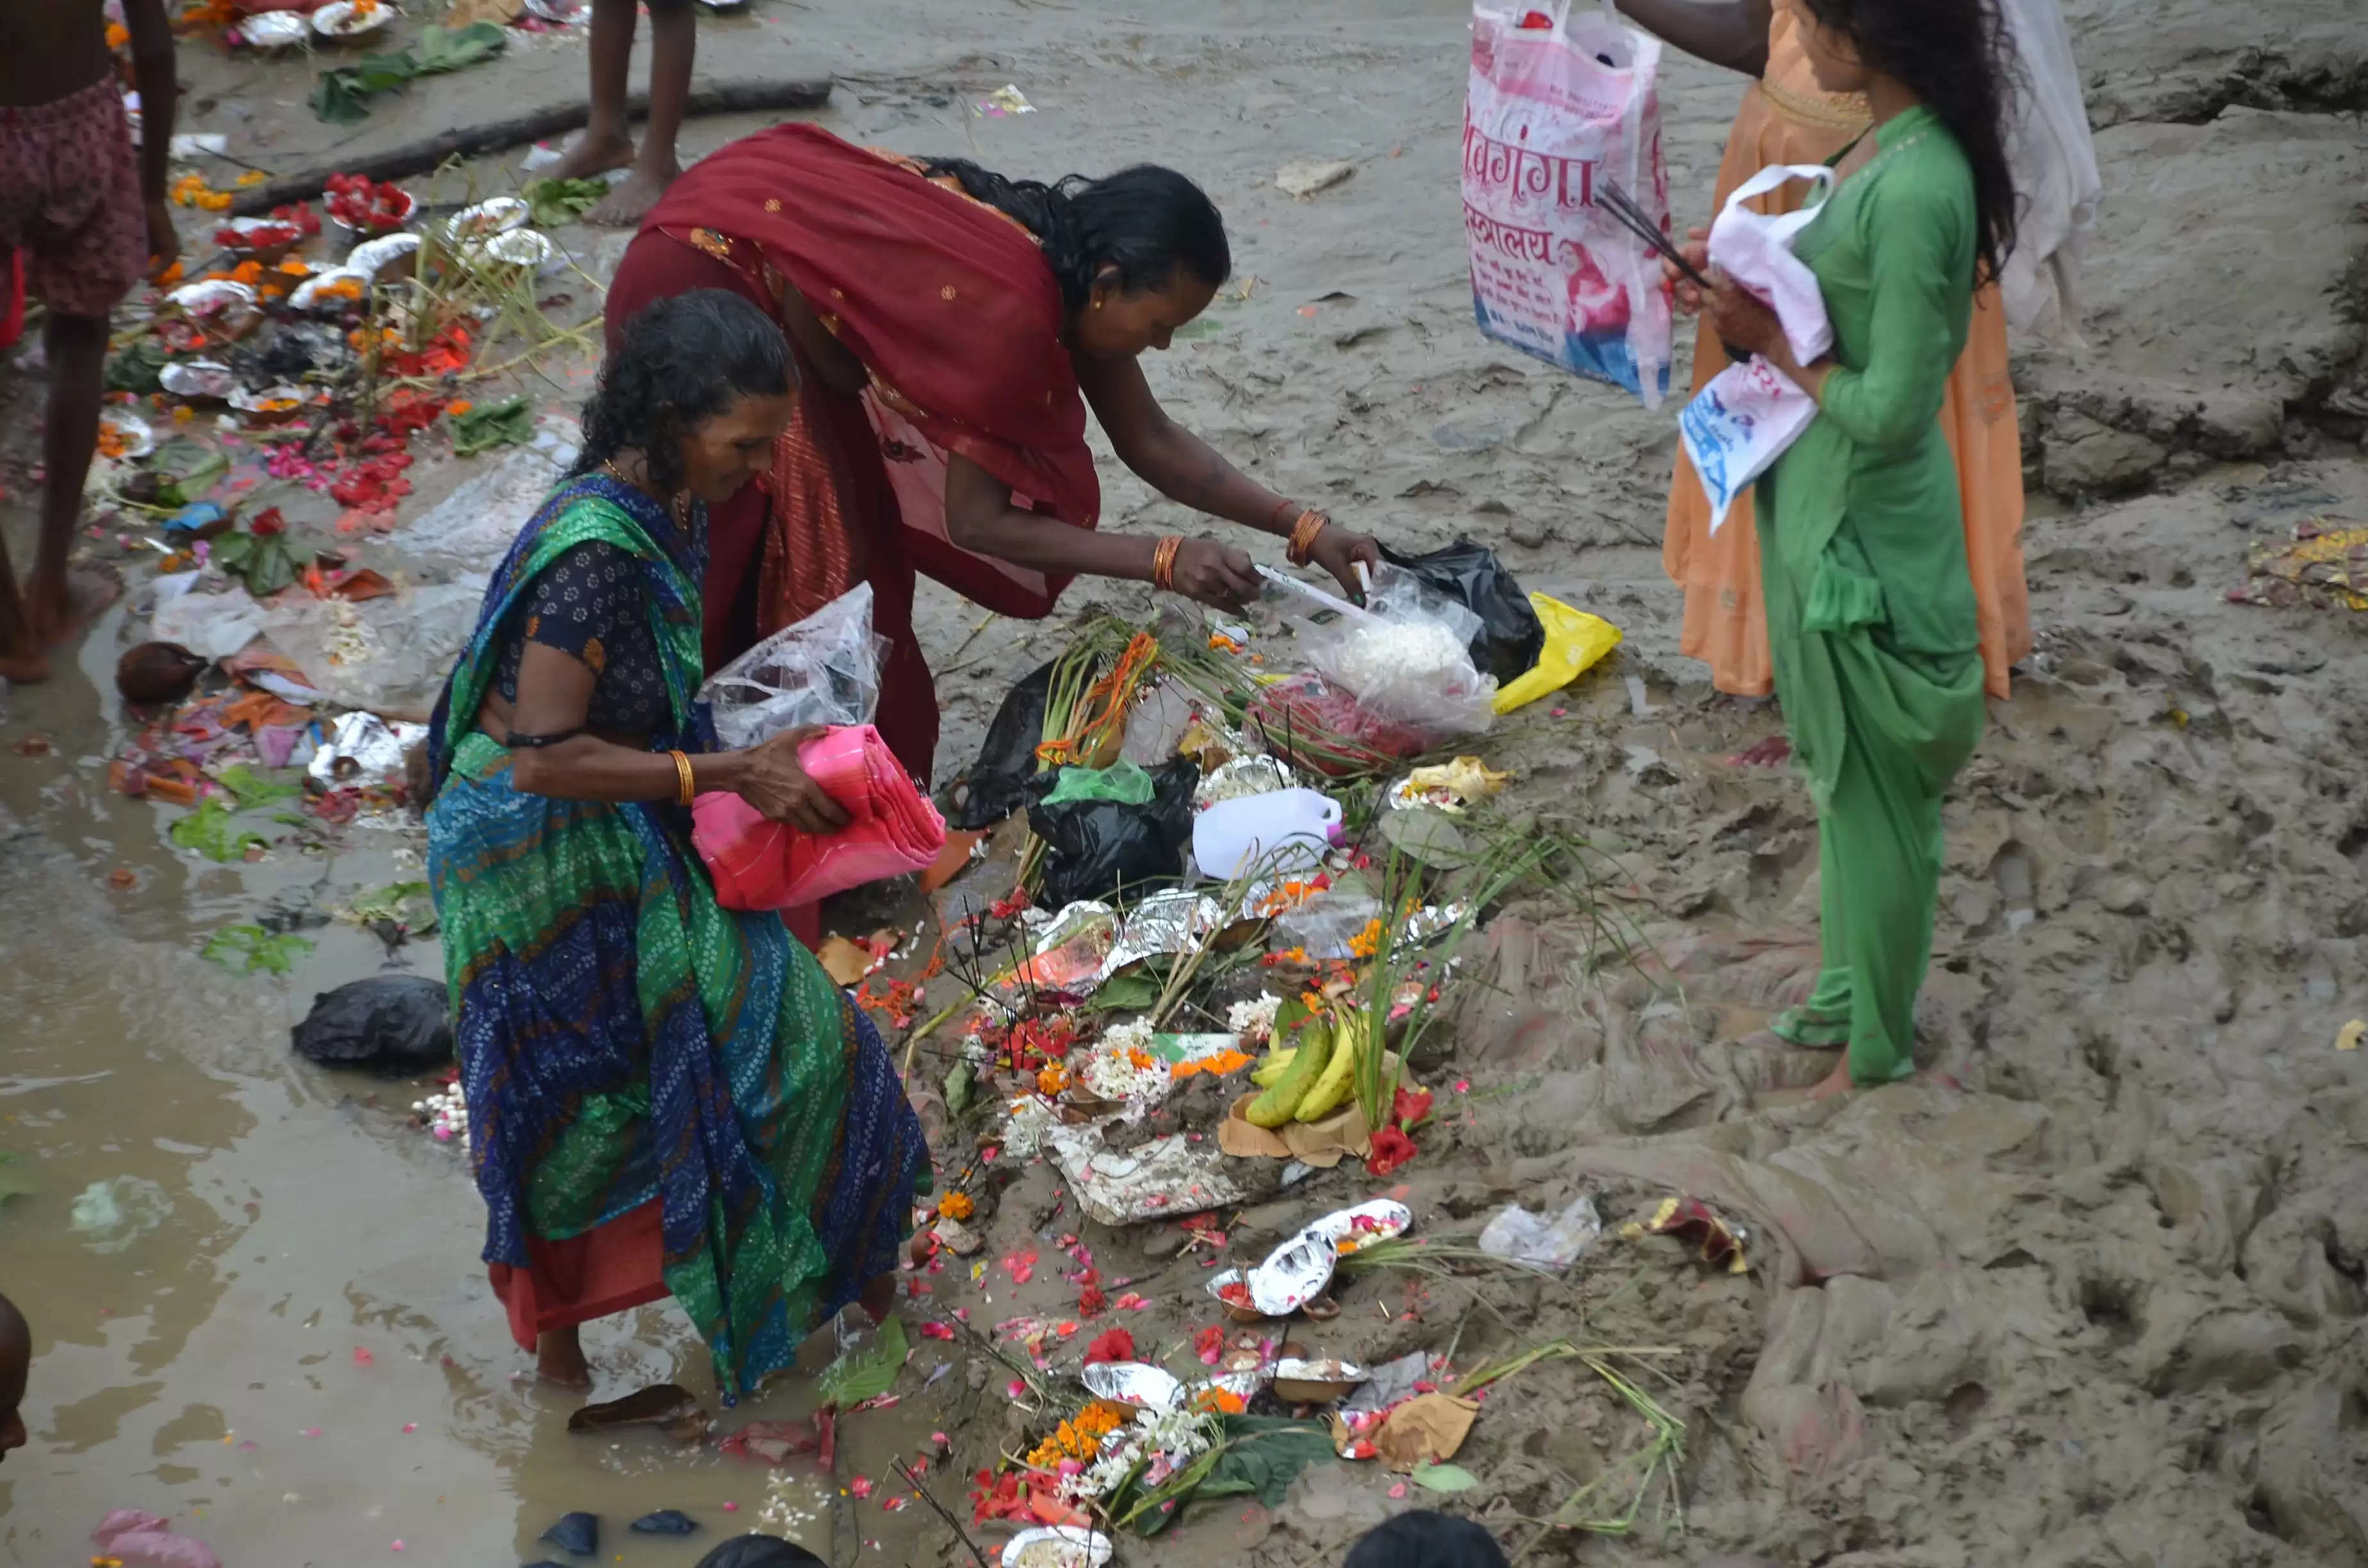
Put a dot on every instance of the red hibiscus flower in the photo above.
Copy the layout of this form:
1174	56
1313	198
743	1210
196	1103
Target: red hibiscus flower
1411	1109
1391	1149
1118	1344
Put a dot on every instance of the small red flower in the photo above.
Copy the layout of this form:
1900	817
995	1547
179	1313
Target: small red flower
1411	1109
1118	1344
1091	1301
935	1331
267	522
1209	1344
1391	1149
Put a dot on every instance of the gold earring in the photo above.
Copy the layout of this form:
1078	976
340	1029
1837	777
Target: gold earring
1097	304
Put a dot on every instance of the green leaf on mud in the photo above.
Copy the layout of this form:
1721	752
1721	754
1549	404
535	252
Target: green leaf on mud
866	1373
255	787
248	948
1443	1478
210	831
407	905
551	203
509	423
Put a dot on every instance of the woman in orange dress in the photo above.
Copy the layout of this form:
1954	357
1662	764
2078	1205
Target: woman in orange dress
1786	119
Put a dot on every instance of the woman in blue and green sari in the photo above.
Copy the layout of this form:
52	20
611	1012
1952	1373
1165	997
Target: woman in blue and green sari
665	1097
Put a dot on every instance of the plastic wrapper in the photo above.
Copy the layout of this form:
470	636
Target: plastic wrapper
1544	1240
996	784
389	655
212	626
1510	636
1316	726
1099	848
390	1023
109	1216
891	829
1243	776
823	670
1408	661
1324	926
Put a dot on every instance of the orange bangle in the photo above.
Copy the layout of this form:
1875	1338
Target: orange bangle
682	774
1163	563
1303	536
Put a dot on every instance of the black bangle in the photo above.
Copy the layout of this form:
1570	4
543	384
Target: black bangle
536	743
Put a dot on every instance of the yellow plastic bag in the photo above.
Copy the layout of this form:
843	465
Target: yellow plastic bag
1575	643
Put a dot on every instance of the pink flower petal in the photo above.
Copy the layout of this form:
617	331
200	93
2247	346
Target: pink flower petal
731	1508
363	1358
1399	1489
411	1426
312	1431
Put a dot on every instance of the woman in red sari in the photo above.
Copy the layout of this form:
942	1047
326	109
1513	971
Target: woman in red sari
952	327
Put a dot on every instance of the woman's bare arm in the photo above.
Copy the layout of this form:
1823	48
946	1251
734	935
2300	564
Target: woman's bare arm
981	518
1170	458
554	693
1733	33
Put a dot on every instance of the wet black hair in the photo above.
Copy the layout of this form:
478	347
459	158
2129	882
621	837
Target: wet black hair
760	1552
683	361
1425	1539
1147	221
1953	55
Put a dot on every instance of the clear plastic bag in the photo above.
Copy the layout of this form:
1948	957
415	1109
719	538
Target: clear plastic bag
823	670
1409	659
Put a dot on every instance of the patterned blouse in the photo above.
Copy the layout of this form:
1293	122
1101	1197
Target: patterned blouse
589	604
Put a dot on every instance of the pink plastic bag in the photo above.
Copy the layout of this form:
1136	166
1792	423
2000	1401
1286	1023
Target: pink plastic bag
891	828
1555	104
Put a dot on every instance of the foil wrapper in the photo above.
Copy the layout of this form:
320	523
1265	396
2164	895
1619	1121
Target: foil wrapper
1170	921
364	749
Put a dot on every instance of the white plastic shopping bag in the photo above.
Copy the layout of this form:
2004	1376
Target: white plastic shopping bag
1555	104
1757	252
1737	427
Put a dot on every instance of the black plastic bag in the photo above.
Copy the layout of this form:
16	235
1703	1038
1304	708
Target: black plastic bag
1098	848
1511	636
996	784
389	1023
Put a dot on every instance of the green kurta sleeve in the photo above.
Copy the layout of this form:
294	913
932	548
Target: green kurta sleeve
1916	253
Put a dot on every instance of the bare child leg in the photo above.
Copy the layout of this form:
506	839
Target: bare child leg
605	144
673	43
559	1358
59	606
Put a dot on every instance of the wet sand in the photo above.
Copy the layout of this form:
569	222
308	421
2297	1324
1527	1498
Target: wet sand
2088	1290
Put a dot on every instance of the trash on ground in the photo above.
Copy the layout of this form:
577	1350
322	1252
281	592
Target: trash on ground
1713	1240
1549	1242
390	1023
110	1216
136	1539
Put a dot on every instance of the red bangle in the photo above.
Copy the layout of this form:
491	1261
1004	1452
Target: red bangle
1303	536
1281	509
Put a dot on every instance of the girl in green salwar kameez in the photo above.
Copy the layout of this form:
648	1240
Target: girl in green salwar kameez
1870	614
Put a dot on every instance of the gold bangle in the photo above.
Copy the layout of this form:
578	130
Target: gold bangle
682	774
1163	563
1303	536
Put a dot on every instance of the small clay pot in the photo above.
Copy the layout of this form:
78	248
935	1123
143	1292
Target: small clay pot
157	672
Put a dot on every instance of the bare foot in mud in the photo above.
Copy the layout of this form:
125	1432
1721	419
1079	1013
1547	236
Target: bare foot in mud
1769	753
559	1359
57	613
629	200
1837	1083
587	157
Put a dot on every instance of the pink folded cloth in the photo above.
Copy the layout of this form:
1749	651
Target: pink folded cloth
891	828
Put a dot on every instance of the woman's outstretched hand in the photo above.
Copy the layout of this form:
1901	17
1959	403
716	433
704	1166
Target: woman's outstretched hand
1216	574
1337	551
781	789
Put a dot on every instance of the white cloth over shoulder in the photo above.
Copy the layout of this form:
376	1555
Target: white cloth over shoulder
2056	185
